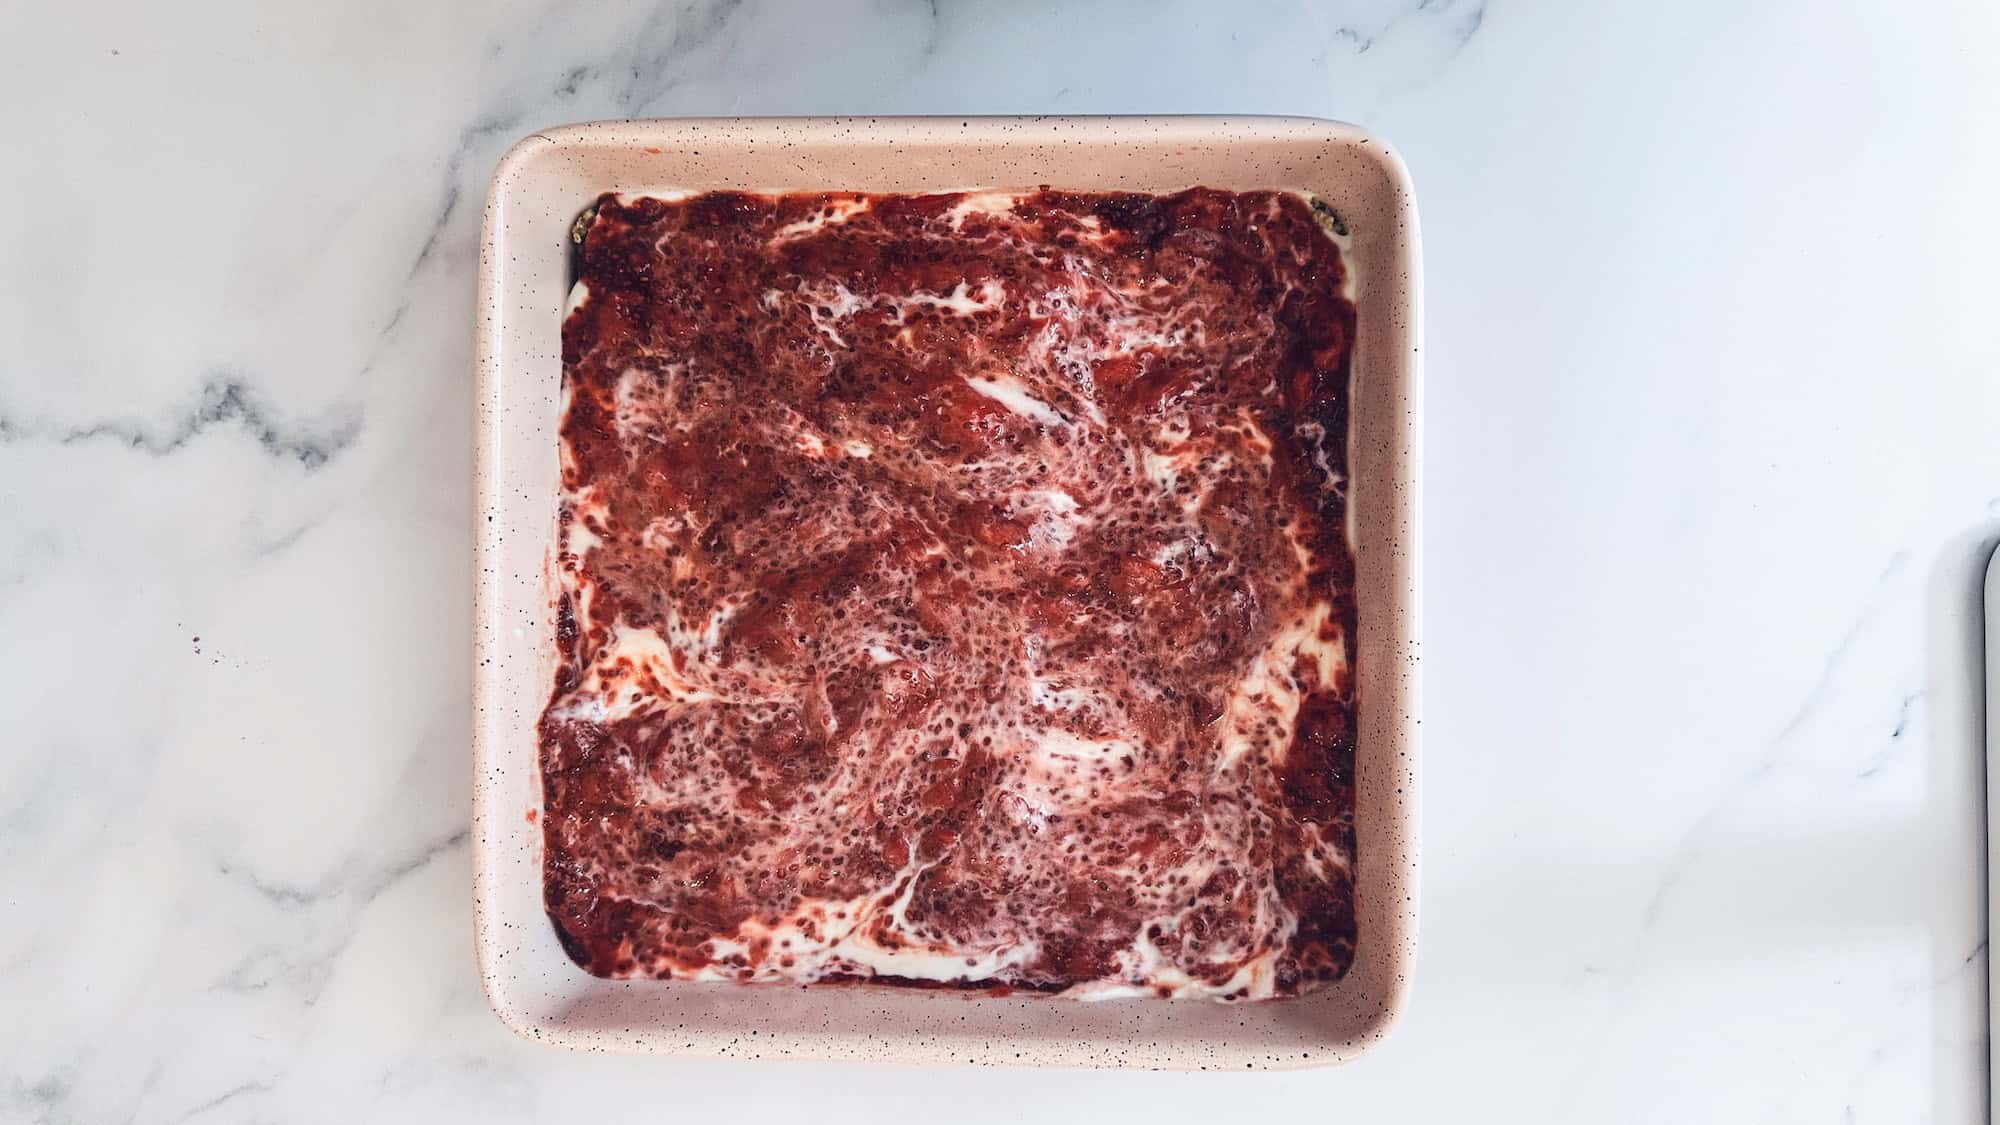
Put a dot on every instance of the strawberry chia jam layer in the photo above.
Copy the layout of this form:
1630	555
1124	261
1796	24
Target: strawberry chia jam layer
954	590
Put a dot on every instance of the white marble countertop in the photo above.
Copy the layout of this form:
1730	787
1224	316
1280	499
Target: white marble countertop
1714	376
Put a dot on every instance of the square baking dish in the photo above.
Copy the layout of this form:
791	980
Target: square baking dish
538	190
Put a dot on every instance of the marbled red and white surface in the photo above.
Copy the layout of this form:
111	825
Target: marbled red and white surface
955	590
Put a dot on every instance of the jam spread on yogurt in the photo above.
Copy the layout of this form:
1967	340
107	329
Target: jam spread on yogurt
953	590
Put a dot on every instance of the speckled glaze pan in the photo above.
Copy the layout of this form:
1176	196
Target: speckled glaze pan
538	189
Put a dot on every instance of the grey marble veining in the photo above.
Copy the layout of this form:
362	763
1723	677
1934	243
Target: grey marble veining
1713	382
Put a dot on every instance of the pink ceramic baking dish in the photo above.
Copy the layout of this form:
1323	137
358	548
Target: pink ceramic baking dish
540	187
